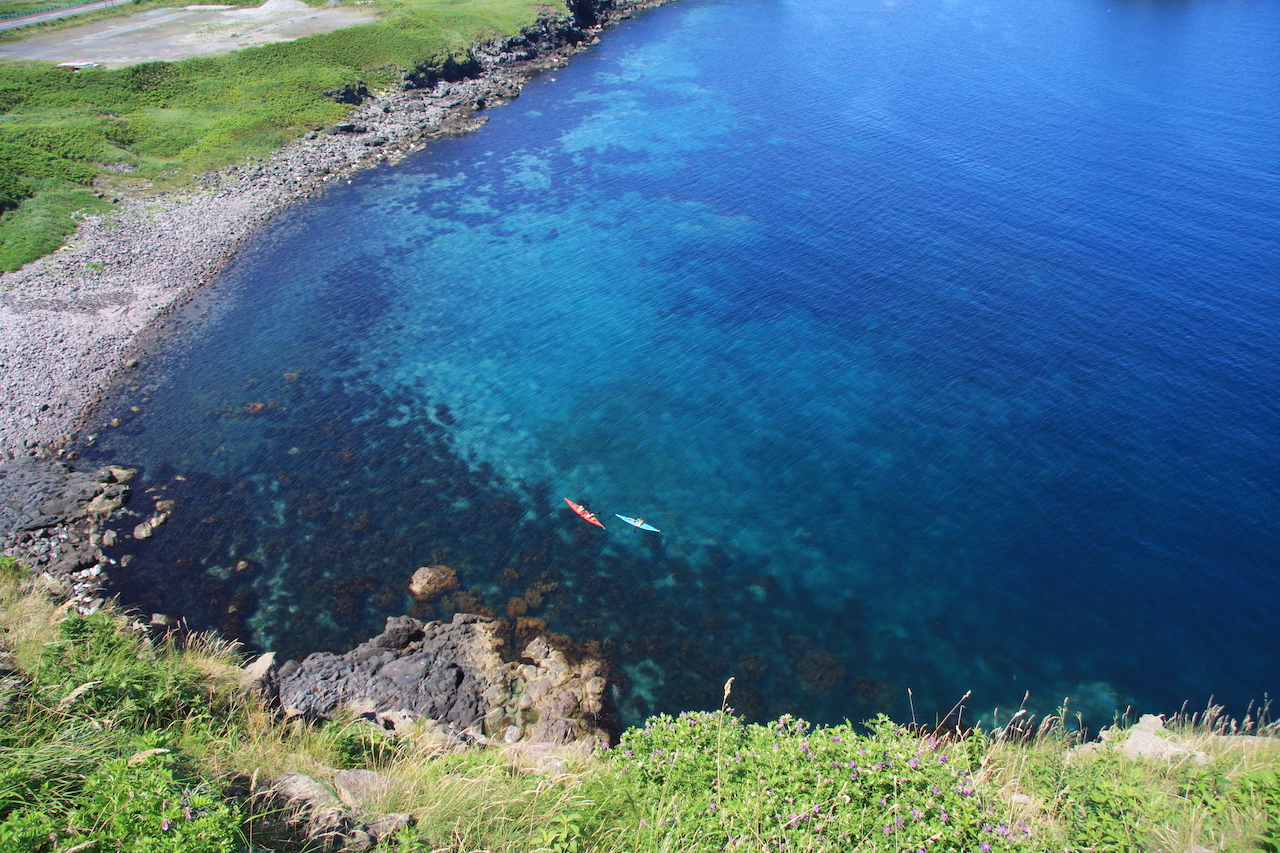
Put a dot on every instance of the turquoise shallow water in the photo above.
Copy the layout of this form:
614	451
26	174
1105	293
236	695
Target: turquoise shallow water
939	338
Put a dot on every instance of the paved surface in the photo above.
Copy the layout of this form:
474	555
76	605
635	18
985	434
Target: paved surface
37	17
180	33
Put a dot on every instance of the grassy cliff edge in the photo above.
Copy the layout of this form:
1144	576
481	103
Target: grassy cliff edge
113	738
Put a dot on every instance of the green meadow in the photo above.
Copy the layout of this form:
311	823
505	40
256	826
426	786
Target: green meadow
64	134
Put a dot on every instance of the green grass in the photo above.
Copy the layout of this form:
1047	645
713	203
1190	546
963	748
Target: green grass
172	121
115	741
41	224
101	732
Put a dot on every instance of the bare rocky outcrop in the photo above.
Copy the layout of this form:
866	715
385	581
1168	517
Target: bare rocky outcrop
51	518
458	674
452	677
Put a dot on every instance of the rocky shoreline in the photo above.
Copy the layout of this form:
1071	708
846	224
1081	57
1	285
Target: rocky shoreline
474	680
70	322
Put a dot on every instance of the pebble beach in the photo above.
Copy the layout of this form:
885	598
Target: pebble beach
71	321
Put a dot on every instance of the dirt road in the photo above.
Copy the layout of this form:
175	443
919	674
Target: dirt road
180	33
38	17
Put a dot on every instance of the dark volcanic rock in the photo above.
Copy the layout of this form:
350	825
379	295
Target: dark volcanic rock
51	519
454	673
37	494
349	93
435	677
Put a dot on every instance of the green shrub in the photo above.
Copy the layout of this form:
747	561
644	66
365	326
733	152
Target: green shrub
713	783
359	744
94	740
141	805
113	673
1258	792
11	571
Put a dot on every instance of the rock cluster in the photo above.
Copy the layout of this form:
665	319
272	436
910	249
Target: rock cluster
449	676
70	322
1149	739
455	674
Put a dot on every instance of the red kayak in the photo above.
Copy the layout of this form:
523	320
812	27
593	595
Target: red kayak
584	512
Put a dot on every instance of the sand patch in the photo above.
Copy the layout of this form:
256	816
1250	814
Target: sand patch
171	34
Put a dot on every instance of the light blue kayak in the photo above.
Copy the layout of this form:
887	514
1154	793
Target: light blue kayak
638	522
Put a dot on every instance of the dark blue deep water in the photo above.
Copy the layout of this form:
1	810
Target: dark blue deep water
941	338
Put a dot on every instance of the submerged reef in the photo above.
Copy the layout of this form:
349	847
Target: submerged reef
339	504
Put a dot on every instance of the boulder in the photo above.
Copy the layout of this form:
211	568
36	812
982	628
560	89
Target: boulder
37	494
1147	739
317	813
51	518
431	582
260	675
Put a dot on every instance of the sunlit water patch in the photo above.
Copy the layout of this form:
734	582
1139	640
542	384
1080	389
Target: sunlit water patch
938	338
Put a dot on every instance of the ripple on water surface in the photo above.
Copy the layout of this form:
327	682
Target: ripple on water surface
953	370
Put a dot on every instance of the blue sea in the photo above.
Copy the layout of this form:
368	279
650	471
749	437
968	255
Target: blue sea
940	339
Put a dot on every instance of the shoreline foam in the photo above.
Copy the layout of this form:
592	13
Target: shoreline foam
70	322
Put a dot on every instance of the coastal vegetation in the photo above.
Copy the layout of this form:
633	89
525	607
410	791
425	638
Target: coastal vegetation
112	737
70	140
